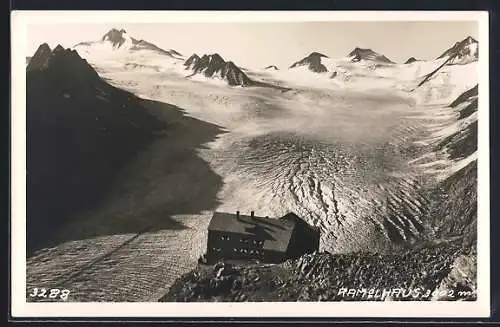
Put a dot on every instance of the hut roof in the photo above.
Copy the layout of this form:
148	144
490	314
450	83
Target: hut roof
276	233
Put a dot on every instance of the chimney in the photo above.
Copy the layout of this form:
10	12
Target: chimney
252	214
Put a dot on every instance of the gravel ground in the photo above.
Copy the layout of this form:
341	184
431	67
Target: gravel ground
329	277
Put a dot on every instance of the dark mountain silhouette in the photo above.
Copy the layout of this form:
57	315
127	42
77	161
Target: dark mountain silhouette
467	48
272	67
359	54
215	66
313	62
410	60
118	37
115	37
191	61
80	131
41	57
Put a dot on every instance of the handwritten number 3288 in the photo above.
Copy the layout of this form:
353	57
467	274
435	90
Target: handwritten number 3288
51	293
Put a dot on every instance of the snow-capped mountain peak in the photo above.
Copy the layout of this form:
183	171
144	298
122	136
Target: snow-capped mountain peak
117	38
145	45
313	62
175	53
119	41
359	54
214	66
462	52
469	40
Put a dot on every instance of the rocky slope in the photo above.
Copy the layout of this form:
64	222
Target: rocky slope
145	45
408	276
462	52
410	60
453	221
192	61
120	40
462	279
115	37
214	66
312	62
81	130
359	54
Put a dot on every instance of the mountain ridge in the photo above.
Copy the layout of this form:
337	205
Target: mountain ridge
119	39
358	54
81	130
410	60
462	51
313	62
214	65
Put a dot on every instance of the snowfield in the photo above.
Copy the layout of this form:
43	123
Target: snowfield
351	154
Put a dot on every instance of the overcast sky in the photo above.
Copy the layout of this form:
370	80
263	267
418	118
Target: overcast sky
262	44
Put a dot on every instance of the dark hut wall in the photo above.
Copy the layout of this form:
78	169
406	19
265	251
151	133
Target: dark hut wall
305	240
222	244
